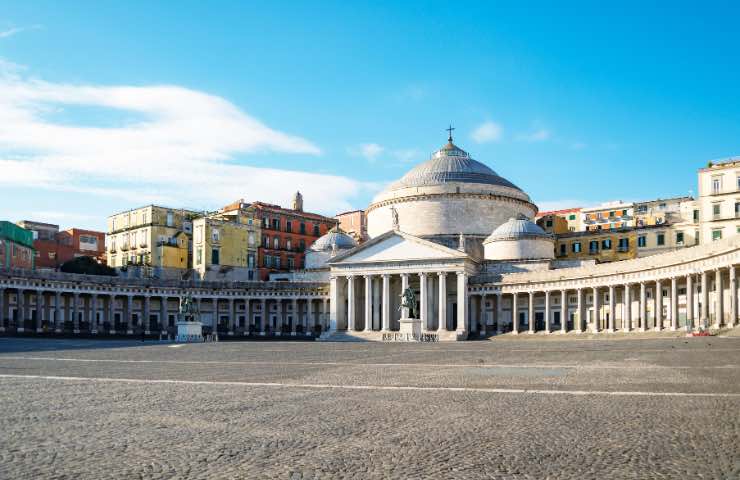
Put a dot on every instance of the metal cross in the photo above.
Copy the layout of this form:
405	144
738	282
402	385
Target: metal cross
449	139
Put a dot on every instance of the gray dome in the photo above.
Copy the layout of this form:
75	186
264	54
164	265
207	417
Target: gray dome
517	228
334	237
450	164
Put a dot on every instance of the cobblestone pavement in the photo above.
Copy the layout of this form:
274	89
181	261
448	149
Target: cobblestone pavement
606	409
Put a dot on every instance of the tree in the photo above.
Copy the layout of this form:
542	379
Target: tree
87	266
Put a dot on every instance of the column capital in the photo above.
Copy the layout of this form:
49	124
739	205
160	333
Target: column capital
367	276
422	274
385	275
441	274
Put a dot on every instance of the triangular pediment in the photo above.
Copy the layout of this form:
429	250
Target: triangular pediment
397	246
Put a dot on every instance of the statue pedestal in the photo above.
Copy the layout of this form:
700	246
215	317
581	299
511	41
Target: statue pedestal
189	332
410	327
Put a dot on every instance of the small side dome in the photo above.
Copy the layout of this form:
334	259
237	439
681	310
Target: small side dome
334	239
519	239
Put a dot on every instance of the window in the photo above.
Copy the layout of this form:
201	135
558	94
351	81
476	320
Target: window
316	231
288	244
641	241
612	214
624	244
266	241
562	249
593	246
716	234
624	213
277	262
696	216
250	260
716	209
302	245
303	228
291	263
716	184
214	256
276	243
737	209
660	239
289	227
170	219
215	235
266	261
548	223
198	256
696	237
679	238
251	238
276	224
571	217
576	247
606	244
738	182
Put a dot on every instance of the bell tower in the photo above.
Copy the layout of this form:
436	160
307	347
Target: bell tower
297	202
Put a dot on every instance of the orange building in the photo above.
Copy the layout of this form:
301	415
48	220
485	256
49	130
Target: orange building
354	223
54	247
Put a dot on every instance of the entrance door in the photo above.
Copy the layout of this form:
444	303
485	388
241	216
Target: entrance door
539	320
556	319
454	316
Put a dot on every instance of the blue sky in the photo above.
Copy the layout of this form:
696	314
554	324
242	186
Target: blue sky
108	108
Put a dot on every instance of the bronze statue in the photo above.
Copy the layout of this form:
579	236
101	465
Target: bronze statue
408	300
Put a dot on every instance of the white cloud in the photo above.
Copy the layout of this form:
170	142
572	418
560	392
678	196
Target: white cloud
15	30
487	132
369	151
181	151
407	155
538	135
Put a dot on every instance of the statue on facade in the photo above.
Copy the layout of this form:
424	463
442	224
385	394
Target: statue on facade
394	217
408	300
187	310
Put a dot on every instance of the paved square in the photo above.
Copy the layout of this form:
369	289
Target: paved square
530	408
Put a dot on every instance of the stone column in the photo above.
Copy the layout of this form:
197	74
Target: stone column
442	326
146	323
564	311
643	307
689	302
658	314
674	304
733	297
462	302
231	319
20	305
265	317
386	313
612	309
627	309
75	315
368	303
58	324
515	313
310	316
296	315
704	314
325	314
530	313
499	312
719	311
94	313
377	285
163	320
2	309
351	310
248	316
423	300
547	311
39	311
130	314
580	307
334	312
597	310
404	285
111	313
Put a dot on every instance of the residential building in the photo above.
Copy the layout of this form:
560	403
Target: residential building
607	216
146	241
552	223
286	233
660	211
53	247
571	215
353	223
16	246
599	245
225	246
718	202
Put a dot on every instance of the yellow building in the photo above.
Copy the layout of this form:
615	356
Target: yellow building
600	245
154	240
225	246
572	217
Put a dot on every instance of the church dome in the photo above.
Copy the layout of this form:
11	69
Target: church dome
517	228
332	238
450	164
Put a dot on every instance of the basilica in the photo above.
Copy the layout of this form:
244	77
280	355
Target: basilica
461	237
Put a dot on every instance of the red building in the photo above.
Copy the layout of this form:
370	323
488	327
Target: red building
286	234
53	248
354	223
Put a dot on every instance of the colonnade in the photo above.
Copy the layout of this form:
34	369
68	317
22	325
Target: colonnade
42	310
698	299
368	302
